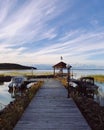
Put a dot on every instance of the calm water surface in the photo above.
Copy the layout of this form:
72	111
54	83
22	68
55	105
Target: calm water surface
6	97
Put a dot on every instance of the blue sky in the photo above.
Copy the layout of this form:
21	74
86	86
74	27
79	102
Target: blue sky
41	31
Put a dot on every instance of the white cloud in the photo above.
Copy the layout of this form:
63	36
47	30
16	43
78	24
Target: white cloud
30	19
35	23
77	49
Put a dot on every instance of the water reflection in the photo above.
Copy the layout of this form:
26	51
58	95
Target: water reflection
16	92
99	97
5	97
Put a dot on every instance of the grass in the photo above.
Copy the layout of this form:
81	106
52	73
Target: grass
24	73
98	78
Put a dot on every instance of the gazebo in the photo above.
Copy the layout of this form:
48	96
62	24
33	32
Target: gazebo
59	66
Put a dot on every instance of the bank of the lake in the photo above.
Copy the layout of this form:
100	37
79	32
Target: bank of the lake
92	110
13	111
4	94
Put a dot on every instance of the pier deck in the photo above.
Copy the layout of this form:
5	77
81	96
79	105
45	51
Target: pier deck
50	109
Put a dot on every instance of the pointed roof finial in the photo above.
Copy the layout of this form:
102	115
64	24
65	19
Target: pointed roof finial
61	58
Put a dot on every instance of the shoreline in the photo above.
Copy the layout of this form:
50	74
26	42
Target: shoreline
14	110
92	111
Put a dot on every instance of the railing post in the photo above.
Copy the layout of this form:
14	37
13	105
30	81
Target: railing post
68	79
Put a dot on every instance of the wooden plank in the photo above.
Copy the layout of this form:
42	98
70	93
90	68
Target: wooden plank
52	110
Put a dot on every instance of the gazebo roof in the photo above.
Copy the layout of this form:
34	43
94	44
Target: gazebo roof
60	65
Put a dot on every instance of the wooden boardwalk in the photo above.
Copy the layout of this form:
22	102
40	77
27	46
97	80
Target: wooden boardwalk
52	110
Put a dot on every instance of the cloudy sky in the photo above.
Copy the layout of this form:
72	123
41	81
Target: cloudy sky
41	31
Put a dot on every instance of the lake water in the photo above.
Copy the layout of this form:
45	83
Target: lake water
6	97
